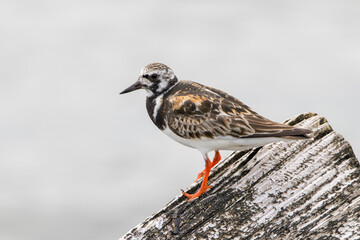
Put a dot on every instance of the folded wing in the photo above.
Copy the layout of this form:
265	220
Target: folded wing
212	114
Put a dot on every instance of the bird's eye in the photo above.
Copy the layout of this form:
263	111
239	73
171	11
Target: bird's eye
154	76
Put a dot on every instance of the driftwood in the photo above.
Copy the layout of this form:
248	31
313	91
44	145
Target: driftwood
286	190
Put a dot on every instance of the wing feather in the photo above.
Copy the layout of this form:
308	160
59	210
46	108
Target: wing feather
212	113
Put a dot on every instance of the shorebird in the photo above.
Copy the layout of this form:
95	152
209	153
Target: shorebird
206	118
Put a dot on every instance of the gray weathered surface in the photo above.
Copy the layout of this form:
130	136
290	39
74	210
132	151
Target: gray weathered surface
286	190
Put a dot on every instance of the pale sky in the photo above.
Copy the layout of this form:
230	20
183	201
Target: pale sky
79	161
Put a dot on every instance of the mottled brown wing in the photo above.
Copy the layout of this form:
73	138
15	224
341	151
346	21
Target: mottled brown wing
213	113
195	116
262	126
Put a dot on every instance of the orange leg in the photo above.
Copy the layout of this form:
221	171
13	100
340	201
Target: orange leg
204	185
216	159
205	173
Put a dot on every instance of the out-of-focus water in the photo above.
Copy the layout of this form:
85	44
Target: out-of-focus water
78	161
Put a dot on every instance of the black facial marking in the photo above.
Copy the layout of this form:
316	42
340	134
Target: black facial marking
153	76
154	87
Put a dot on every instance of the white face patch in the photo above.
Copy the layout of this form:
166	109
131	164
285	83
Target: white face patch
149	92
162	85
145	81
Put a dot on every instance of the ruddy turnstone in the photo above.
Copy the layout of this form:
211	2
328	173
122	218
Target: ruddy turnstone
206	118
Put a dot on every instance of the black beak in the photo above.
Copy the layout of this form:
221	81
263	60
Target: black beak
137	85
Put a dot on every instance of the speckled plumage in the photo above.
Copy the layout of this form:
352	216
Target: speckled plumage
192	110
206	118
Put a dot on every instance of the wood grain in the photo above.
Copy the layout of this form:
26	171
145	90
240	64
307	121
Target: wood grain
286	190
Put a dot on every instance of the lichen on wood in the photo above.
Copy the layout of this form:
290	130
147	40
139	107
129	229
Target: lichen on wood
286	190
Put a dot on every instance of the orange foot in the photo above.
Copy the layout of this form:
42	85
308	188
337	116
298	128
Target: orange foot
195	195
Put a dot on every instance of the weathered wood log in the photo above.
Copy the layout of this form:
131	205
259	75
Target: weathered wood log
286	190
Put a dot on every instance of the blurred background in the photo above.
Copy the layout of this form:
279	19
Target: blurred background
79	161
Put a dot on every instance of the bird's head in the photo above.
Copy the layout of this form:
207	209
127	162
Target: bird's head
155	78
